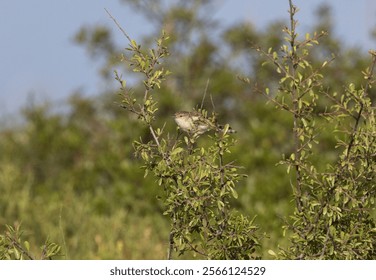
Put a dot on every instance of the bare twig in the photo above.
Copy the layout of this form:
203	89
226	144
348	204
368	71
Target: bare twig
118	25
212	102
203	98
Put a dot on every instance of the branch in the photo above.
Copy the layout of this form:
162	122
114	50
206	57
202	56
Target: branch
118	25
15	243
203	98
359	115
294	99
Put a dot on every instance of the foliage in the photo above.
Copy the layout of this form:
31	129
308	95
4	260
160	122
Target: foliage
12	246
333	208
62	176
69	171
197	182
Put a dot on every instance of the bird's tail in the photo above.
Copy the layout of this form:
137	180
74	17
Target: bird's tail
226	129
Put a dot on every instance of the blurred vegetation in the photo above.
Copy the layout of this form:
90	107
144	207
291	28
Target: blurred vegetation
73	176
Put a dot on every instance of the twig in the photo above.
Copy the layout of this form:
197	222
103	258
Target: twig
15	243
154	136
203	98
170	245
212	102
118	25
295	99
359	115
197	251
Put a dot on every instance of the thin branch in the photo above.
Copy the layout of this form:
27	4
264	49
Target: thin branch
203	98
170	245
212	102
118	25
359	115
15	243
295	99
340	106
272	59
275	101
154	136
197	251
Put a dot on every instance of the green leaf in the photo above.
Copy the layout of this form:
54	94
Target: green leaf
177	151
234	193
220	204
134	44
271	252
27	245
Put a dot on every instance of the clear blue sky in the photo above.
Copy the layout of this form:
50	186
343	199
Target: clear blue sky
38	55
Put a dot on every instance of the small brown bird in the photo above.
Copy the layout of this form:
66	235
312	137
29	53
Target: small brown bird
195	123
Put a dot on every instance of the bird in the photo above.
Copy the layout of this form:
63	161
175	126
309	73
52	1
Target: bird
196	123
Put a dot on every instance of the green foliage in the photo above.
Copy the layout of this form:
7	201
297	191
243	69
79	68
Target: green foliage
13	248
333	208
197	183
62	176
72	174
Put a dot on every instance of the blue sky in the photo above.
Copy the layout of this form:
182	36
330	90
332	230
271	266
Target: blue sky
38	56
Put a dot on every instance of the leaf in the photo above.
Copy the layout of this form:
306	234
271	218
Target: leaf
220	204
27	245
17	254
271	252
177	151
134	44
234	193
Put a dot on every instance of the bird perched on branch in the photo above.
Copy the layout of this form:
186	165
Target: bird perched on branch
196	123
